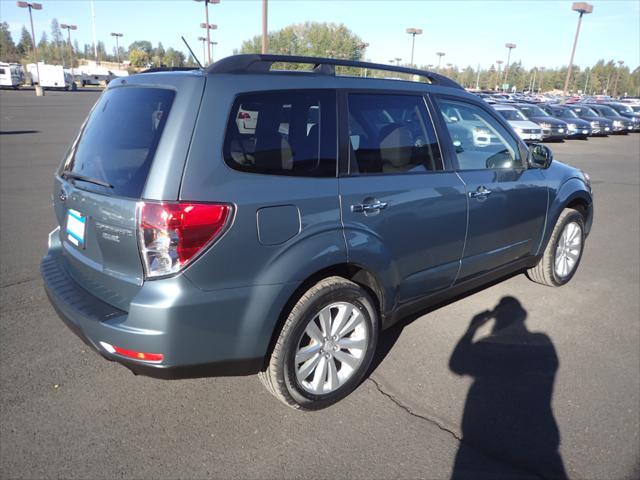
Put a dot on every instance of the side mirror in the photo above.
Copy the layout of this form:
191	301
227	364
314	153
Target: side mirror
540	156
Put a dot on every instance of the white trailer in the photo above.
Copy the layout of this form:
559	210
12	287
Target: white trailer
53	76
93	74
11	75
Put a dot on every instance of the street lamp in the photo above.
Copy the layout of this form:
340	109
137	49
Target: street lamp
615	85
362	47
34	6
204	48
413	32
68	28
117	35
440	55
208	27
397	59
510	46
582	8
206	22
497	79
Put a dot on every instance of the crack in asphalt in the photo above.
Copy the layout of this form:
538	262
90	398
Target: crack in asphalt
456	435
408	409
18	282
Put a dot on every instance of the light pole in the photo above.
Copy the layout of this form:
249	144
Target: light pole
413	32
68	28
208	27
206	22
34	6
498	73
440	55
397	59
582	8
615	85
509	46
362	47
265	30
478	78
117	35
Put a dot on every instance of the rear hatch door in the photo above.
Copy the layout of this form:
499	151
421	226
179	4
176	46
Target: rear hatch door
131	147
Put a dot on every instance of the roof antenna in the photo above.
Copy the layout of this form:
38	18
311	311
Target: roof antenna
192	54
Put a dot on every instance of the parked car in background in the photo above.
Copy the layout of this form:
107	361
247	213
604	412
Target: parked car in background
285	254
552	128
576	126
526	129
599	125
621	125
626	110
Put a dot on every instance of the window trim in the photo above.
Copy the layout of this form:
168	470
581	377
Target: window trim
453	157
343	128
283	91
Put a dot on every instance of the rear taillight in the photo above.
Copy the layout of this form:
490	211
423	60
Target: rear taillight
173	234
243	116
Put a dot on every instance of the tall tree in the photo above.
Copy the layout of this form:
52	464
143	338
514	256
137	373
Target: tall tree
8	50
311	38
57	42
25	45
143	45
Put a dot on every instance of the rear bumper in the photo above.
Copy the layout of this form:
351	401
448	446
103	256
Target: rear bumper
199	333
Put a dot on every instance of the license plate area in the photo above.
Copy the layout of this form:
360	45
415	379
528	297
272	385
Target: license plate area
76	227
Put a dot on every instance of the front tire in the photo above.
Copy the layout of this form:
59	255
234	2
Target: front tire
325	346
563	253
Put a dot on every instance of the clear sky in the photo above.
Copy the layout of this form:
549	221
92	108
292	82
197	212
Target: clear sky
469	32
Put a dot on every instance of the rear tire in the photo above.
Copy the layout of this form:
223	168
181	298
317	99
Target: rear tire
325	346
563	253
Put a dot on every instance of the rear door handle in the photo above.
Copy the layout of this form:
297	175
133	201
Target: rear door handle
480	193
368	207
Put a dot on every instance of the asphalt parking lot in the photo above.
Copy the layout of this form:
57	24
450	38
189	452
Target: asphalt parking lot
430	409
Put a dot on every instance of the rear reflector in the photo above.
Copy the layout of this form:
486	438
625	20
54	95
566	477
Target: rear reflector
172	234
145	357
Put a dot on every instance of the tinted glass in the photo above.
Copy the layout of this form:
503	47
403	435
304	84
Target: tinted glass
391	134
532	111
565	113
119	140
514	115
606	111
283	134
584	112
479	140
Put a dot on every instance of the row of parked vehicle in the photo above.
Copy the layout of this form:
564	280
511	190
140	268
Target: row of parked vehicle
537	121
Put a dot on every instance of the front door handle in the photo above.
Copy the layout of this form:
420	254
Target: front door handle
368	207
480	193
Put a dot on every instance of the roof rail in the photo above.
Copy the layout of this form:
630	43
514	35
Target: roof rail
168	69
257	63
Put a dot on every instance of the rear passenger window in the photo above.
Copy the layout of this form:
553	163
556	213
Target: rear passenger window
391	134
283	134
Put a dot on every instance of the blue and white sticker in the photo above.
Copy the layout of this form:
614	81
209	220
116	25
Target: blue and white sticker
76	226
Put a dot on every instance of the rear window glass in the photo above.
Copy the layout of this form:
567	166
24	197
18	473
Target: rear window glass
119	140
291	134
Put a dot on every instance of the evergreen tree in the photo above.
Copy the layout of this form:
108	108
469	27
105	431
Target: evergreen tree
25	45
8	50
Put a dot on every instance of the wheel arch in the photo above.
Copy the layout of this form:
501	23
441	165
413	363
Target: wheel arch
572	194
351	271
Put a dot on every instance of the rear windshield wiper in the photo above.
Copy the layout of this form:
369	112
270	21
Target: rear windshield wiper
83	178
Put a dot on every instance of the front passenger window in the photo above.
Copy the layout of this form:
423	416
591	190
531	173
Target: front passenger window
479	140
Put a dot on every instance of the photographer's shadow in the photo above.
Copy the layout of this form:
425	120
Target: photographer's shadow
507	415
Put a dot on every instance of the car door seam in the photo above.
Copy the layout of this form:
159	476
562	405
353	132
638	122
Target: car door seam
466	232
